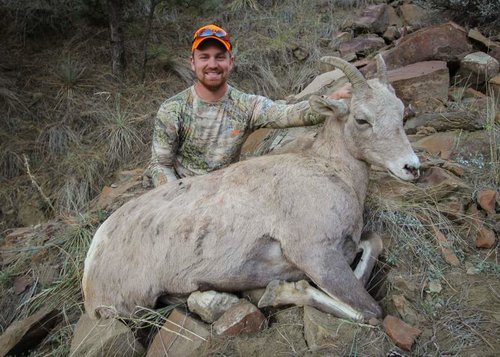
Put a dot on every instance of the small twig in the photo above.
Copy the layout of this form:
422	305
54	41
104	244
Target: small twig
33	181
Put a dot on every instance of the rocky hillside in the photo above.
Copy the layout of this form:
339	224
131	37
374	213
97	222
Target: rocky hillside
437	279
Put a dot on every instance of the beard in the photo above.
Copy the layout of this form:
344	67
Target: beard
212	85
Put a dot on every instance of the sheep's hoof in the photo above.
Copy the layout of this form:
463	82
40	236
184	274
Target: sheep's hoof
272	291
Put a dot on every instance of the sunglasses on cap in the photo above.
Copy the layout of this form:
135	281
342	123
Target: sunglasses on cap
205	32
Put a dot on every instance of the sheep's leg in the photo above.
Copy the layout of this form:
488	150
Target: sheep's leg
333	275
279	292
372	247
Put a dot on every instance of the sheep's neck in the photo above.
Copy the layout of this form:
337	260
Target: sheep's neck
331	145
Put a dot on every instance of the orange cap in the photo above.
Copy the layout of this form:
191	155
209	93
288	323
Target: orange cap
210	31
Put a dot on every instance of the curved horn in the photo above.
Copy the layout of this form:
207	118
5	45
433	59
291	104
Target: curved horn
352	73
381	69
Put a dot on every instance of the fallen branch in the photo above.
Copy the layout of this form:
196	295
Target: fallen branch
37	186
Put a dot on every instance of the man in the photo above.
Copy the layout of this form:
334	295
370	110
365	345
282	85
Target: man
203	128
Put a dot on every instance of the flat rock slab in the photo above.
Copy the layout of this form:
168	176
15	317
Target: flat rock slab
23	335
424	85
180	336
105	337
361	45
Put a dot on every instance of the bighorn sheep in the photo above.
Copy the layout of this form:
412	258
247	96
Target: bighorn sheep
276	217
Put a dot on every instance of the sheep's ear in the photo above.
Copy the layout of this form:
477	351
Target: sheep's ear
328	107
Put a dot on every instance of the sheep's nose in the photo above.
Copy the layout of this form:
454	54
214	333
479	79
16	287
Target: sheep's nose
413	170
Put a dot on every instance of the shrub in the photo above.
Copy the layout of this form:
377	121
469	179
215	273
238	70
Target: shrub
471	12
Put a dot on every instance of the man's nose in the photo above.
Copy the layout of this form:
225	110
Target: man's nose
212	62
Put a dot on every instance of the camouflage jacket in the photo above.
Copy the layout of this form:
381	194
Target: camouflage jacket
195	137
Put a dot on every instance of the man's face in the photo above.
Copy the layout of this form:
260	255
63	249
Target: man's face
211	64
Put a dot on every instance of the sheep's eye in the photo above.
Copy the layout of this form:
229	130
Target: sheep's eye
361	122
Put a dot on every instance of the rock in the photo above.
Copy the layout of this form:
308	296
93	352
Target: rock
479	37
112	197
445	247
494	84
392	17
24	335
446	42
435	286
487	200
413	15
477	68
253	142
243	317
373	19
452	207
485	238
180	336
21	283
441	144
103	337
424	85
495	53
319	84
402	334
322	330
254	295
210	305
445	121
404	309
339	38
392	33
361	45
454	168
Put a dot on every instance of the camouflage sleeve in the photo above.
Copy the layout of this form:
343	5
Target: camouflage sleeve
165	143
269	114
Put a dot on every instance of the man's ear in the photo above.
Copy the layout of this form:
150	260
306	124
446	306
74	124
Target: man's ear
328	107
191	61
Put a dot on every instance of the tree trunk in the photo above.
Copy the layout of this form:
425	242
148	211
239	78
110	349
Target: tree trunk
116	35
152	7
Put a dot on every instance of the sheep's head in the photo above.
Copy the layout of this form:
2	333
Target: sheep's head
373	130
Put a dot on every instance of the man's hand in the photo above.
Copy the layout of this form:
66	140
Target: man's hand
159	180
344	92
167	175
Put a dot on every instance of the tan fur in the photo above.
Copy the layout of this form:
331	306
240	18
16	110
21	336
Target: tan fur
287	217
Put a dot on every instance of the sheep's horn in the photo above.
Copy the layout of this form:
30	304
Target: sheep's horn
381	69
352	73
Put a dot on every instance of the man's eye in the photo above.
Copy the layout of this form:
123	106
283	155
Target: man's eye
362	121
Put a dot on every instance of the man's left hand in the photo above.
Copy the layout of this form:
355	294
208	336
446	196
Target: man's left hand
344	92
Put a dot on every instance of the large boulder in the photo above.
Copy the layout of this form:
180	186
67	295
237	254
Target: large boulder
446	42
424	85
477	68
180	336
373	19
